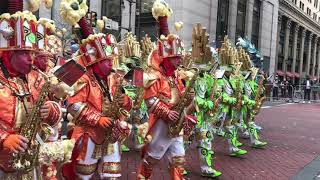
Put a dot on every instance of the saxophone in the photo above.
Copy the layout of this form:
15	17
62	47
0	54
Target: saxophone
258	99
213	94
239	95
25	161
176	127
115	112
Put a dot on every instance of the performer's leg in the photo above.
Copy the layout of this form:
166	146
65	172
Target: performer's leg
111	166
176	157
222	119
235	116
232	141
242	125
254	137
205	139
146	167
86	168
156	149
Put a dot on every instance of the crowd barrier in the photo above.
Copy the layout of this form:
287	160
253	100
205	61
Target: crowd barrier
293	93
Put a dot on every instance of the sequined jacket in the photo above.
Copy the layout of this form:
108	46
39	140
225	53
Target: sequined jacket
88	104
13	112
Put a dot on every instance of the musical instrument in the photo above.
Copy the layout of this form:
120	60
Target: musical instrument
26	161
114	111
176	127
258	99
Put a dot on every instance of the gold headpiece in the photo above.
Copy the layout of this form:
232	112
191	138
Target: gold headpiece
201	52
132	46
228	54
254	72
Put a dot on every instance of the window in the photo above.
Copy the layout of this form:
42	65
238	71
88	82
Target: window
315	16
112	10
145	23
255	22
309	11
315	3
241	18
222	20
301	6
310	1
294	1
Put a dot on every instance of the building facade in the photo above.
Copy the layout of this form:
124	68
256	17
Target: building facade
255	19
298	39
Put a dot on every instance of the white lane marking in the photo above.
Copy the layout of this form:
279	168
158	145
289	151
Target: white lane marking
266	107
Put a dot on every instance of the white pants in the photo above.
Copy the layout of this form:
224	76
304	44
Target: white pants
111	158
161	144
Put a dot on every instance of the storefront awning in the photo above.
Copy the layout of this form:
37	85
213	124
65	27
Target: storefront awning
313	77
297	75
290	74
280	73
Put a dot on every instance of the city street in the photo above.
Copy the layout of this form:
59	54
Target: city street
292	131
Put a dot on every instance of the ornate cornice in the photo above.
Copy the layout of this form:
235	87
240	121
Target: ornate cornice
303	32
296	28
290	10
288	24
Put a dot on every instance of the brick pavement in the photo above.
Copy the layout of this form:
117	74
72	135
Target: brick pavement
294	141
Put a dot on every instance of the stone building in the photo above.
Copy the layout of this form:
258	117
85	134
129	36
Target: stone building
254	19
298	44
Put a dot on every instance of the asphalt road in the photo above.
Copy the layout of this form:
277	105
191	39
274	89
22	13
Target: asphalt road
292	131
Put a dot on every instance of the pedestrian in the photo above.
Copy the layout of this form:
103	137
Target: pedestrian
290	88
307	89
283	88
275	94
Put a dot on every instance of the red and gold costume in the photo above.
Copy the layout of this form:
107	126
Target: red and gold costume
19	88
163	91
96	133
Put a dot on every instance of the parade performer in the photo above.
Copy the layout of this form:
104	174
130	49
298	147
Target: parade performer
237	82
206	102
228	97
25	108
206	99
53	151
166	99
98	107
255	92
134	62
254	59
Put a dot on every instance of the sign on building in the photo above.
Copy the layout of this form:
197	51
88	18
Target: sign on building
111	25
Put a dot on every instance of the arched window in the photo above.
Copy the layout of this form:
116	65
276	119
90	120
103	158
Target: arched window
256	23
145	23
222	20
241	18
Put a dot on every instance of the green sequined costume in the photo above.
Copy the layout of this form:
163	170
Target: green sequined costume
204	134
251	92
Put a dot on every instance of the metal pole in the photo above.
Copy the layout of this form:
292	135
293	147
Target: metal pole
139	19
130	11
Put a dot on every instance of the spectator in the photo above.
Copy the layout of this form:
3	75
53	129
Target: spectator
275	84
290	88
283	86
307	89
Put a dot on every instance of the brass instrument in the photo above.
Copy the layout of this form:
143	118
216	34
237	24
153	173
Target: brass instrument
239	91
213	94
115	112
25	161
258	99
139	100
176	127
